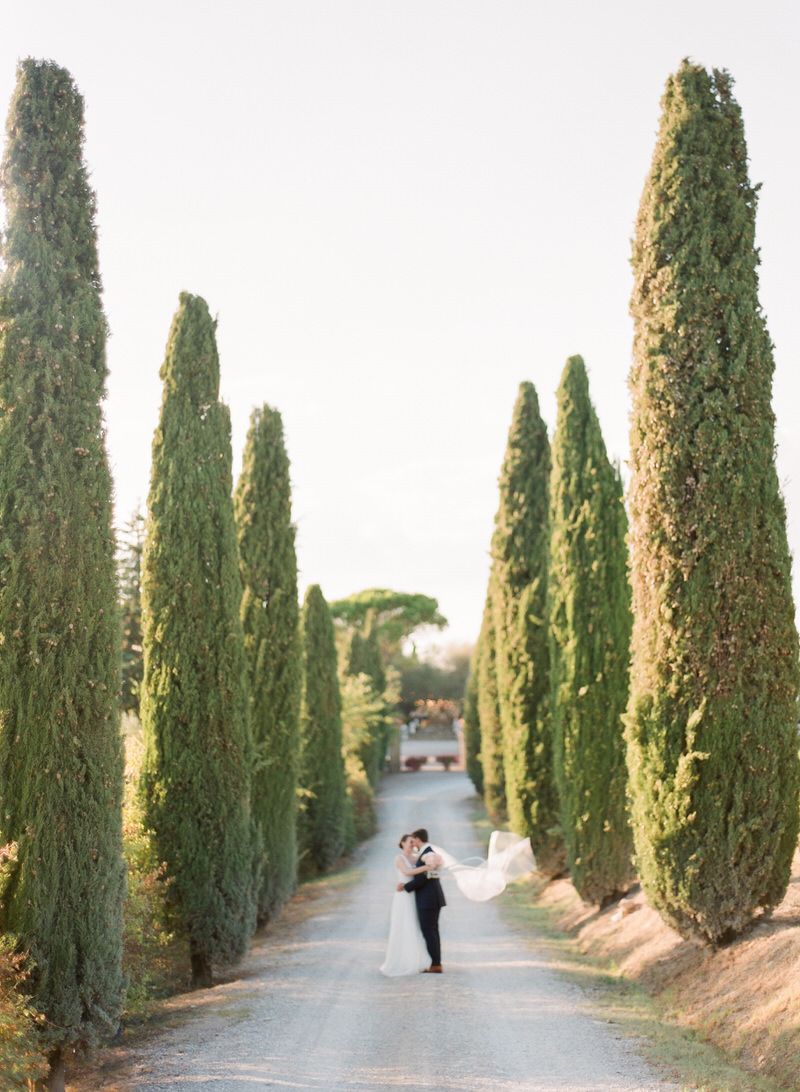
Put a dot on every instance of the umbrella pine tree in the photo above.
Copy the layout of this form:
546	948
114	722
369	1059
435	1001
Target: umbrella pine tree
711	723
198	748
60	746
590	627
270	618
324	824
519	600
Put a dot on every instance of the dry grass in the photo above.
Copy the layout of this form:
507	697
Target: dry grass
744	999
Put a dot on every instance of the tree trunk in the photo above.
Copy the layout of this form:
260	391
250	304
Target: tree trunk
54	1081
201	971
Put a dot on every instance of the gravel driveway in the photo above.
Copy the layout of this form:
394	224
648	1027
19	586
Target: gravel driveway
311	1010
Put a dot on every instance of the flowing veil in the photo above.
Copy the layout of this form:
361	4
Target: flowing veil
479	879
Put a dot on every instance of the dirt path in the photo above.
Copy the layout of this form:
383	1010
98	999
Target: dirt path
311	1010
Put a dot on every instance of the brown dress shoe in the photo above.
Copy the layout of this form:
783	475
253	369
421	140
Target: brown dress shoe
435	968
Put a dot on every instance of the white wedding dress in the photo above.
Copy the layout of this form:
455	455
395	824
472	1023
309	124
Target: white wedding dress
405	950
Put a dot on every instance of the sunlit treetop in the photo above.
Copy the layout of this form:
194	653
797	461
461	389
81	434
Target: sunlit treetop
395	615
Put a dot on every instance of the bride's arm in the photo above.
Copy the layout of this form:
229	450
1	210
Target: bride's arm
434	861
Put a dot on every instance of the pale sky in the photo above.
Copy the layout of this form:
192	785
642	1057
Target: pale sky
400	210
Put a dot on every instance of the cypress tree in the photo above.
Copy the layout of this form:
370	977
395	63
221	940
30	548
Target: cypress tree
130	582
472	721
494	784
324	821
712	714
590	628
519	601
60	746
198	748
363	657
270	618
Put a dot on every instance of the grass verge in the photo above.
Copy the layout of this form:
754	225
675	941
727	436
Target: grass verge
681	1053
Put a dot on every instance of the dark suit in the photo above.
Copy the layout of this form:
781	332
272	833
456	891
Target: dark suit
430	900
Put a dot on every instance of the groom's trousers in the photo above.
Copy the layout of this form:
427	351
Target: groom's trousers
429	923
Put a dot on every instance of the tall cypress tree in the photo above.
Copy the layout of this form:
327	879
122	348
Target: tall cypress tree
60	747
270	617
324	821
198	748
590	628
519	600
130	586
494	782
472	721
713	708
364	655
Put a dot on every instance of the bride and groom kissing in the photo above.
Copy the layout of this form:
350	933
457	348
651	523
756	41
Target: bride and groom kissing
414	945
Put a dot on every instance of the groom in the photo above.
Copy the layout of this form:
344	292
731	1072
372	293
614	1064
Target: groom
430	900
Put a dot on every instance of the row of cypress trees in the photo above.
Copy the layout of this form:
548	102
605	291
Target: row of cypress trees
227	659
241	708
694	648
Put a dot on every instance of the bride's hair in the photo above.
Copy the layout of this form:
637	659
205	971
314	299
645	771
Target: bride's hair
402	839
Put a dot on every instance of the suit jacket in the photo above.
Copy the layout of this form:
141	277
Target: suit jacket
427	891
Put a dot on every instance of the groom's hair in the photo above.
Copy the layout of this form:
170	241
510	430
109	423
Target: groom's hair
422	834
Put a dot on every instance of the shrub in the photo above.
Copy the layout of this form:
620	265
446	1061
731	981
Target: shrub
154	952
21	1057
362	800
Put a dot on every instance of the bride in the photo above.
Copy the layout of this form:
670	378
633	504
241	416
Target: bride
405	951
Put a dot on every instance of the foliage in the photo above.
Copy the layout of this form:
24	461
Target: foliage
494	784
364	656
129	570
152	951
362	709
270	618
395	615
590	626
711	722
60	747
363	661
519	604
440	673
436	712
472	722
198	748
325	819
21	1058
362	801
